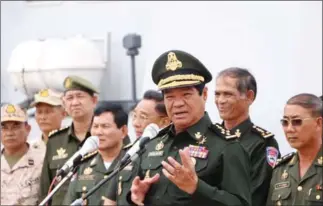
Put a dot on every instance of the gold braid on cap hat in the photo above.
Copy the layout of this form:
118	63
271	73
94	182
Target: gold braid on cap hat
180	77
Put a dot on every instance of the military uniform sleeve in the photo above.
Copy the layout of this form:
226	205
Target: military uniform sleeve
235	185
262	170
45	178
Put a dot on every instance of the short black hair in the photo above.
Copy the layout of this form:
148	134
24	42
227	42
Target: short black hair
158	97
120	116
308	101
246	81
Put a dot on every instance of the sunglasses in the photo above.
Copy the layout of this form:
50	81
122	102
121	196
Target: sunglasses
294	122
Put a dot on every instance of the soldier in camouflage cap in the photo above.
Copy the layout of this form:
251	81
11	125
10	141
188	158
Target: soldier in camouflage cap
79	101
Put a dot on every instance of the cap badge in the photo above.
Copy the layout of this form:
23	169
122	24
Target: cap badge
172	62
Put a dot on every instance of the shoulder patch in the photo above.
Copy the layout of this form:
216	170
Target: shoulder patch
284	159
262	132
223	132
57	130
89	155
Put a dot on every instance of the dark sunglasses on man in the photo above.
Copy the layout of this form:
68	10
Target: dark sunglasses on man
296	122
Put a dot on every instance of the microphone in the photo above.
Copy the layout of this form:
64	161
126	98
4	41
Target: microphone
90	144
149	133
143	141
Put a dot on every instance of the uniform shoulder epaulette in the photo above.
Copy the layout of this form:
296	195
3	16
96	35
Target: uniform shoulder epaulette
89	155
262	132
284	159
57	131
219	129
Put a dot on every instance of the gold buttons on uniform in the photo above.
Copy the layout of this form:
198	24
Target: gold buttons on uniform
279	203
318	197
83	188
299	188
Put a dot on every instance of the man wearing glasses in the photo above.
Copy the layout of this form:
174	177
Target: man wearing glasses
297	177
236	90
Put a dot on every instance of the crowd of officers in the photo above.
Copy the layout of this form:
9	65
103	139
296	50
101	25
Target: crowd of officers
192	161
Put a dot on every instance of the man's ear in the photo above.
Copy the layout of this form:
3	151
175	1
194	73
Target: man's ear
205	93
250	96
124	130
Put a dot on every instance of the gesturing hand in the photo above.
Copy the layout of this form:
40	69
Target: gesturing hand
139	188
183	176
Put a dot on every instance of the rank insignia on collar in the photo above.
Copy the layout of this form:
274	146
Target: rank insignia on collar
198	135
159	146
284	175
198	151
238	133
60	154
88	171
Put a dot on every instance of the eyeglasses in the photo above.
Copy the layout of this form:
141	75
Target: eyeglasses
295	122
140	117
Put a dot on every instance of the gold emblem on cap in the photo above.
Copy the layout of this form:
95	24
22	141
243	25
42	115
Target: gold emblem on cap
68	83
284	175
11	109
88	171
172	62
44	93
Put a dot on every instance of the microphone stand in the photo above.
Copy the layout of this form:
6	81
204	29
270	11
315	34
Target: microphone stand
78	202
49	196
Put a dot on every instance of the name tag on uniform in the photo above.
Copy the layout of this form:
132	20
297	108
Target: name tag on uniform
156	154
282	185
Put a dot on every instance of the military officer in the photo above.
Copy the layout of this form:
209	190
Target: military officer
190	162
110	125
49	111
150	109
79	102
21	162
297	177
236	90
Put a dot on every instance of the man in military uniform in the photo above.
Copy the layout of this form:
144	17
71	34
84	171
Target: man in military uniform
79	102
298	177
49	111
236	90
21	162
110	125
150	109
190	162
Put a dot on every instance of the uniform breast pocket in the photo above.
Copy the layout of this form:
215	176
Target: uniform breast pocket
84	186
56	164
200	165
280	196
152	164
314	198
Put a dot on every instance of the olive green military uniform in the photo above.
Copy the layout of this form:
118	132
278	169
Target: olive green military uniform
263	152
120	185
90	173
287	188
221	165
61	145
